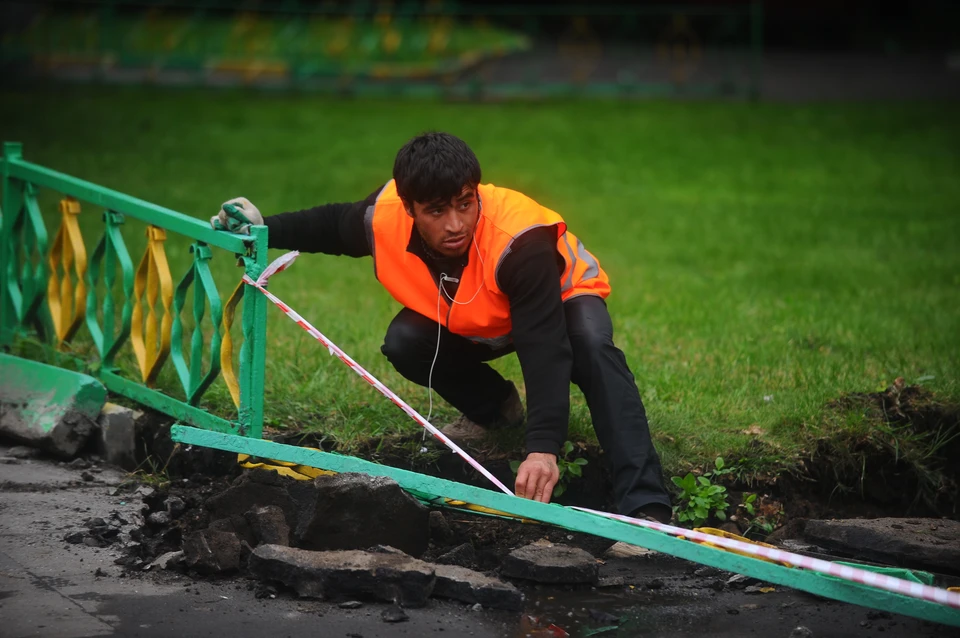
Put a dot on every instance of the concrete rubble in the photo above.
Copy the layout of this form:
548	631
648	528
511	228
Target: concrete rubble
350	511
168	560
23	452
932	544
462	555
550	563
345	511
383	573
345	573
116	437
46	407
211	551
268	525
98	532
468	586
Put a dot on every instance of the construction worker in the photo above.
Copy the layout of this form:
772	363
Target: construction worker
482	271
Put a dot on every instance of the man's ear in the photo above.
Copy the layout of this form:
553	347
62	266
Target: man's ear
407	206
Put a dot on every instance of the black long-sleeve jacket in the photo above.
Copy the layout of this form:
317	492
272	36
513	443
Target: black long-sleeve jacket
529	276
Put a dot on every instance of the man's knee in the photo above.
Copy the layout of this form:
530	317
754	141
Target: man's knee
588	325
590	341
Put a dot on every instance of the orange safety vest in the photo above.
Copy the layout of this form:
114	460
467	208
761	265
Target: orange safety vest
506	215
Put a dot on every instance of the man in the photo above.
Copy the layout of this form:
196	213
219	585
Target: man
483	271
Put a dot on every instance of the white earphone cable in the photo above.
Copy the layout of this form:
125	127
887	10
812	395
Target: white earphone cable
442	291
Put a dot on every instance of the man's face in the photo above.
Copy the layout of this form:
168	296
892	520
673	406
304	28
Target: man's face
447	227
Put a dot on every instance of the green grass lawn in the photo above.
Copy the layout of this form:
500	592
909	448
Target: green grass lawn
765	259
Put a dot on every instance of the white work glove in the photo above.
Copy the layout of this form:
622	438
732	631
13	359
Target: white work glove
236	216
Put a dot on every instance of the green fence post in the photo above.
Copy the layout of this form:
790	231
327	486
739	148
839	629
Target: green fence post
12	202
253	352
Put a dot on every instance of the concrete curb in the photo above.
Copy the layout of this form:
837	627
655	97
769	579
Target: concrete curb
48	407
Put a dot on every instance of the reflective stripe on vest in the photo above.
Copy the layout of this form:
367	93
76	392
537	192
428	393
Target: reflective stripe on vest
506	216
368	226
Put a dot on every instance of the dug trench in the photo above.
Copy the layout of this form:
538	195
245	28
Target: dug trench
901	464
206	519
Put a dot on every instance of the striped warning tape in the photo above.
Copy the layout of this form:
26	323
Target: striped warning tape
845	572
282	263
862	576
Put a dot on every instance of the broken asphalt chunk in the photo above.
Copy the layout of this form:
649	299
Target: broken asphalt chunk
384	576
550	563
211	551
930	543
468	586
268	525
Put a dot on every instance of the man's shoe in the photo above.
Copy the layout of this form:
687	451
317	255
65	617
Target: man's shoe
511	410
626	550
463	430
655	513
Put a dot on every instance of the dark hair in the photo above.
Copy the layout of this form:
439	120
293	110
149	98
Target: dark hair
434	166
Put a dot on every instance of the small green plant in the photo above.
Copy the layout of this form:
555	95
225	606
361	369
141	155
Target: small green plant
762	516
701	497
151	473
568	468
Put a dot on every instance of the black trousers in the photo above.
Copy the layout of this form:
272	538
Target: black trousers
464	380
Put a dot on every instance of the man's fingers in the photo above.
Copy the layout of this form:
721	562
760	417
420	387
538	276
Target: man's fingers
544	488
234	212
521	485
528	479
536	480
548	488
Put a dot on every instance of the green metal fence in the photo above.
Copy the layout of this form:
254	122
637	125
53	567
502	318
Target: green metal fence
51	291
423	48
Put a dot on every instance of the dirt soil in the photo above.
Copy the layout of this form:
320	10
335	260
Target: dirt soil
891	485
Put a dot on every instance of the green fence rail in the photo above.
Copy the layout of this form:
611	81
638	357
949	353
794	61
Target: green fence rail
413	48
49	291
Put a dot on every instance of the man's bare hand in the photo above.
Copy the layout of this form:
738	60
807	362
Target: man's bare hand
537	476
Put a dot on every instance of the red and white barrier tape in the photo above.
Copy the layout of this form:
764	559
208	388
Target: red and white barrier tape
282	264
881	581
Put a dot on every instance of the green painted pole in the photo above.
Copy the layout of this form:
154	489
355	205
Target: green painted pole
253	352
33	277
12	203
430	488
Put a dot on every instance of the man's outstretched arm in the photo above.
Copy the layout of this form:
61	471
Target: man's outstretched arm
332	229
530	277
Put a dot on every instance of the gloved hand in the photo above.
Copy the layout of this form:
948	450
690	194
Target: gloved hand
236	216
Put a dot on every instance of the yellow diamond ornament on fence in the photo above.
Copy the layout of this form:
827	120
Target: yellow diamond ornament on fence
67	302
226	344
151	344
